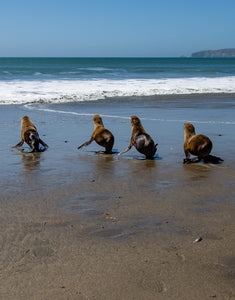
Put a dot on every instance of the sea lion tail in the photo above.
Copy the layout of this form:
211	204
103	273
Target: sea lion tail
212	159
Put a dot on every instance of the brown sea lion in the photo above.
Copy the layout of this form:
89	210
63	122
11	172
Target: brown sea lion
140	139
29	134
199	145
101	135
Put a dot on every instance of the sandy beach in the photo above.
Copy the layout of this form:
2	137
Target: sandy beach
85	225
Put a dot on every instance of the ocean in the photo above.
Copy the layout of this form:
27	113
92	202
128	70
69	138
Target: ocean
63	80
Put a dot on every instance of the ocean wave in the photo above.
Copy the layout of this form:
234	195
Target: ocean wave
58	91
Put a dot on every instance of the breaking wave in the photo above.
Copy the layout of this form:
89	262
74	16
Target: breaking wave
60	91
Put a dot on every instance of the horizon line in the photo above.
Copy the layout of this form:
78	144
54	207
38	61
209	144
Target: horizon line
115	57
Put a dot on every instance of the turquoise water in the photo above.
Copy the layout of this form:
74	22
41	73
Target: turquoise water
57	80
114	68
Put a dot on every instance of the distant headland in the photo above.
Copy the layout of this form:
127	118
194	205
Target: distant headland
215	53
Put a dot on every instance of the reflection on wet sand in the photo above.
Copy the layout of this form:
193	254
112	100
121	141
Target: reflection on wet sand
31	161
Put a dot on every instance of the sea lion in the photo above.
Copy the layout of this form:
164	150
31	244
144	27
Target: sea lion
199	145
140	139
29	134
101	135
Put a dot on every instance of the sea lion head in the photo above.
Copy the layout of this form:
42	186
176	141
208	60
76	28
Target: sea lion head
135	121
97	120
189	128
136	125
26	118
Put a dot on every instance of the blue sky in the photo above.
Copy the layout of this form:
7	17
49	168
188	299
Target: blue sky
148	28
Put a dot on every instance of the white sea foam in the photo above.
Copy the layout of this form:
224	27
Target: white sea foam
18	91
33	107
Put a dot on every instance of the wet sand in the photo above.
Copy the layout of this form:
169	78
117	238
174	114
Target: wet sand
84	225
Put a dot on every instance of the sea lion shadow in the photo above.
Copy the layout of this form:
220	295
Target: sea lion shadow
157	157
214	160
137	157
29	150
154	158
114	152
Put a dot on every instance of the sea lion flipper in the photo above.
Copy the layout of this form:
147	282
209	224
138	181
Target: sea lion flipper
190	161
19	144
83	145
86	143
187	161
125	150
43	143
213	159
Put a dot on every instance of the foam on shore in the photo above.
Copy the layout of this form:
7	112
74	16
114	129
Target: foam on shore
33	107
61	91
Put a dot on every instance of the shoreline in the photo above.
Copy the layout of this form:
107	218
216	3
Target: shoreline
81	225
130	99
